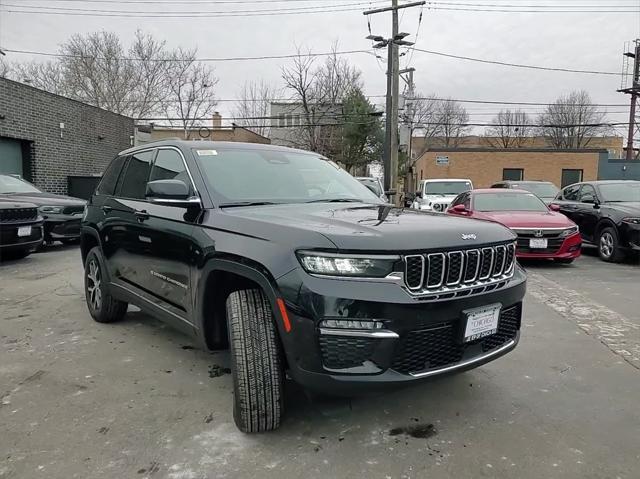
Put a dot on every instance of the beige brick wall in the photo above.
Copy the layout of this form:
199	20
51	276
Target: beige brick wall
485	167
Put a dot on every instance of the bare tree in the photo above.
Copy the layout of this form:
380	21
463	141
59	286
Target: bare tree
5	69
254	105
47	76
318	92
510	129
421	115
191	96
451	120
572	121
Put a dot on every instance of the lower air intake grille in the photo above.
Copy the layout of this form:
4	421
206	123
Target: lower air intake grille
342	352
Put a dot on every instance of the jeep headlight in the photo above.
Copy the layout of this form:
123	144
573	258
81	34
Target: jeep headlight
632	221
569	232
346	265
50	209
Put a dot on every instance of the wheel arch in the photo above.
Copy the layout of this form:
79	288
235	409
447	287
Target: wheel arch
217	280
89	238
602	224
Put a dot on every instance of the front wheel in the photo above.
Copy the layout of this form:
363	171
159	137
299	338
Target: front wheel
256	362
103	307
609	245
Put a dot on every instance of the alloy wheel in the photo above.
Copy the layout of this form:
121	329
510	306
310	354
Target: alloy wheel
93	285
606	244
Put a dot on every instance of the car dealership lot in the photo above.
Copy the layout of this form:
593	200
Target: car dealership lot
135	399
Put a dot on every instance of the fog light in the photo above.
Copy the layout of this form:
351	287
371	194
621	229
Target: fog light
350	324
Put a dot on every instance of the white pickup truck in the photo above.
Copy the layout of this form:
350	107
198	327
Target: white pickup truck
437	194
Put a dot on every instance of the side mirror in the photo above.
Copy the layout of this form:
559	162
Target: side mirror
554	207
460	209
170	192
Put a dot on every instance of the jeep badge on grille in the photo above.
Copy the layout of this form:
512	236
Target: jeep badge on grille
470	236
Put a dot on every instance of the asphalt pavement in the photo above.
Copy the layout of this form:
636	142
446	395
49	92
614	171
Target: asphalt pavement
136	399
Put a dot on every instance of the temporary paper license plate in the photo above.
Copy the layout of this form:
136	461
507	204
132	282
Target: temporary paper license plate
24	231
540	243
481	322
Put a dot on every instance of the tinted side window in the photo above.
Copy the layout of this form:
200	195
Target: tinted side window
587	192
134	181
169	166
107	185
571	193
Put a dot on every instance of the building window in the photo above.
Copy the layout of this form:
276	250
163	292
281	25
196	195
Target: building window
281	120
421	173
570	177
513	174
289	119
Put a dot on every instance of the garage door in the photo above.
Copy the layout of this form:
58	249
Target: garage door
10	157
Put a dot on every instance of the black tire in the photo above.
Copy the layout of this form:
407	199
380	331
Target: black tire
565	260
256	362
102	306
609	245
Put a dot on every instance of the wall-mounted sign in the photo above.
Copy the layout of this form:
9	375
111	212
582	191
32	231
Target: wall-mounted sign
442	160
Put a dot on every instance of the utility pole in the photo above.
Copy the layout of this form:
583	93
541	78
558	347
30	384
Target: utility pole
390	159
634	91
409	119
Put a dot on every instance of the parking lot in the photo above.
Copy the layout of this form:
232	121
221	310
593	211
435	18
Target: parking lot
136	399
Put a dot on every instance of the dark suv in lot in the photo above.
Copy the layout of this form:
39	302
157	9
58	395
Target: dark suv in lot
286	259
20	229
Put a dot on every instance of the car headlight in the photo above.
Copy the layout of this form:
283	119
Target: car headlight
632	221
569	232
50	209
346	265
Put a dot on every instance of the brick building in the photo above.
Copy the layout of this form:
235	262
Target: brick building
215	132
46	138
485	166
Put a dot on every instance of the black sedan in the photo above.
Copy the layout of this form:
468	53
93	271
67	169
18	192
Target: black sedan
608	214
61	214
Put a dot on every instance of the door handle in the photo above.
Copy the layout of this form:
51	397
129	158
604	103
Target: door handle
141	215
106	209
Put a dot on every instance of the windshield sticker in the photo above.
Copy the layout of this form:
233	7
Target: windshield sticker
207	152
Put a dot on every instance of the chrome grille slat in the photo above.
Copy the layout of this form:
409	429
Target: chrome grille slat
439	276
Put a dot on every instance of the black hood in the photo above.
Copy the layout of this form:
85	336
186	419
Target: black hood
375	227
42	199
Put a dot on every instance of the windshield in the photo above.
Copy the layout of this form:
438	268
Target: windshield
543	190
9	184
268	176
446	187
621	191
372	184
508	202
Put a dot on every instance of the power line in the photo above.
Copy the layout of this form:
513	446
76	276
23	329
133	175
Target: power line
346	52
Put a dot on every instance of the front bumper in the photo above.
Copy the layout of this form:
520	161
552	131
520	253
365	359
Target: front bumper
10	241
419	340
59	227
631	235
569	249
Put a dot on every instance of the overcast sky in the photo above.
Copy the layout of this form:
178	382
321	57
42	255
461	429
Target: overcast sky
591	41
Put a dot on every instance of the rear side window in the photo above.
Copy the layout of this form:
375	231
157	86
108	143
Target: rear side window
107	185
571	193
169	166
134	182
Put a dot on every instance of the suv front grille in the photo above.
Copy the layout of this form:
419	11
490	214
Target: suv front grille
440	345
456	273
15	215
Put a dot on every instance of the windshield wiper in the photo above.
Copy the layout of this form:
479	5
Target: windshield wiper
336	200
248	203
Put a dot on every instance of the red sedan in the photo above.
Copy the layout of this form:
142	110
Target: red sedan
542	231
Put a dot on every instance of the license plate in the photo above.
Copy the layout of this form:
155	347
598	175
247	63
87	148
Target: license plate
24	231
481	322
539	243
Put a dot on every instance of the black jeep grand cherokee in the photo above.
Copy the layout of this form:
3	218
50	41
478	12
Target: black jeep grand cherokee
290	262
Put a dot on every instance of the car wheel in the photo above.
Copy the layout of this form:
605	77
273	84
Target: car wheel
608	245
256	362
102	306
565	260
